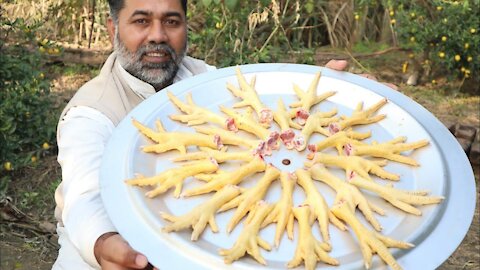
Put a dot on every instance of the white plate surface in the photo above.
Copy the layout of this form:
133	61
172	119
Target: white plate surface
444	170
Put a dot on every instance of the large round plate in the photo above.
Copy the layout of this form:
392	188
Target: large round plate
444	170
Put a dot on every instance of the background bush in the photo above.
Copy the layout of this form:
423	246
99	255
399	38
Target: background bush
444	33
28	113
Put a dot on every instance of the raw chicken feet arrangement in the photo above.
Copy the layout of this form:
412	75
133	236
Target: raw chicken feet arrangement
227	147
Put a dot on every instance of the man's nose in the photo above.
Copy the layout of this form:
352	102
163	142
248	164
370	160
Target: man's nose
157	33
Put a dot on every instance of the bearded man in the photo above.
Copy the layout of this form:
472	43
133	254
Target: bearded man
150	43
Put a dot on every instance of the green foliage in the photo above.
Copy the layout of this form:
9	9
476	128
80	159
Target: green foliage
227	33
446	33
28	113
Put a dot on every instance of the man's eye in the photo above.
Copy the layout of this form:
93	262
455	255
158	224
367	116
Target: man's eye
140	21
171	22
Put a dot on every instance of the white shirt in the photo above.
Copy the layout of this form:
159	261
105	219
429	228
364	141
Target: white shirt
82	137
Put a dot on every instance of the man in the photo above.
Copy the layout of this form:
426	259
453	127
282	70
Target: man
150	41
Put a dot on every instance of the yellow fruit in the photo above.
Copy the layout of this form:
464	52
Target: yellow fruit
445	20
56	51
357	17
218	25
392	13
41	49
467	46
434	81
439	8
404	67
462	69
8	166
469	59
457	57
473	30
413	14
393	21
441	54
45	146
444	38
34	159
41	75
412	39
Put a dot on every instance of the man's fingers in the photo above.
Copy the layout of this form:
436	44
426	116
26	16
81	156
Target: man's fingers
339	65
118	251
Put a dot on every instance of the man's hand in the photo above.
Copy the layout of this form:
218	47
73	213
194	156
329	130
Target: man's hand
341	65
114	253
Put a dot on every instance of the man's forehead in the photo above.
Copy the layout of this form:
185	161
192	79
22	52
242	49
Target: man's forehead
152	7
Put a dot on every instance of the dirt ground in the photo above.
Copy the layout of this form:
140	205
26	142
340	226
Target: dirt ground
27	226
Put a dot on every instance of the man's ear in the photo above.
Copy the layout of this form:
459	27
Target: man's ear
111	29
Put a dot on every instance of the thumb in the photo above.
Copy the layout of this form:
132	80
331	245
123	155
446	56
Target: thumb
116	251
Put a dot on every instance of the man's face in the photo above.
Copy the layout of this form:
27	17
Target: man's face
151	39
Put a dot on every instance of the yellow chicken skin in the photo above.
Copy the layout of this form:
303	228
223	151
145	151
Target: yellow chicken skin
202	215
196	115
282	212
229	137
359	117
249	240
370	241
402	199
167	141
249	97
348	193
285	122
307	99
309	250
339	139
233	178
173	177
319	207
354	164
314	124
389	150
245	121
220	156
249	197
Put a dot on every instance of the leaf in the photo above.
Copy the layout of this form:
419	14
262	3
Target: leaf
309	6
206	3
231	4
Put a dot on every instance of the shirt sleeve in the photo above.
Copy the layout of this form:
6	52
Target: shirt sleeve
82	137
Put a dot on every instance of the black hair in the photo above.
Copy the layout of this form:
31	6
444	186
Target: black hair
117	5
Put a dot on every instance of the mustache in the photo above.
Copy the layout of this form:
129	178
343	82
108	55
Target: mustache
162	47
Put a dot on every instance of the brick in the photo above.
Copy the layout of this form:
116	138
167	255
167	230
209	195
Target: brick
466	144
474	154
465	132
